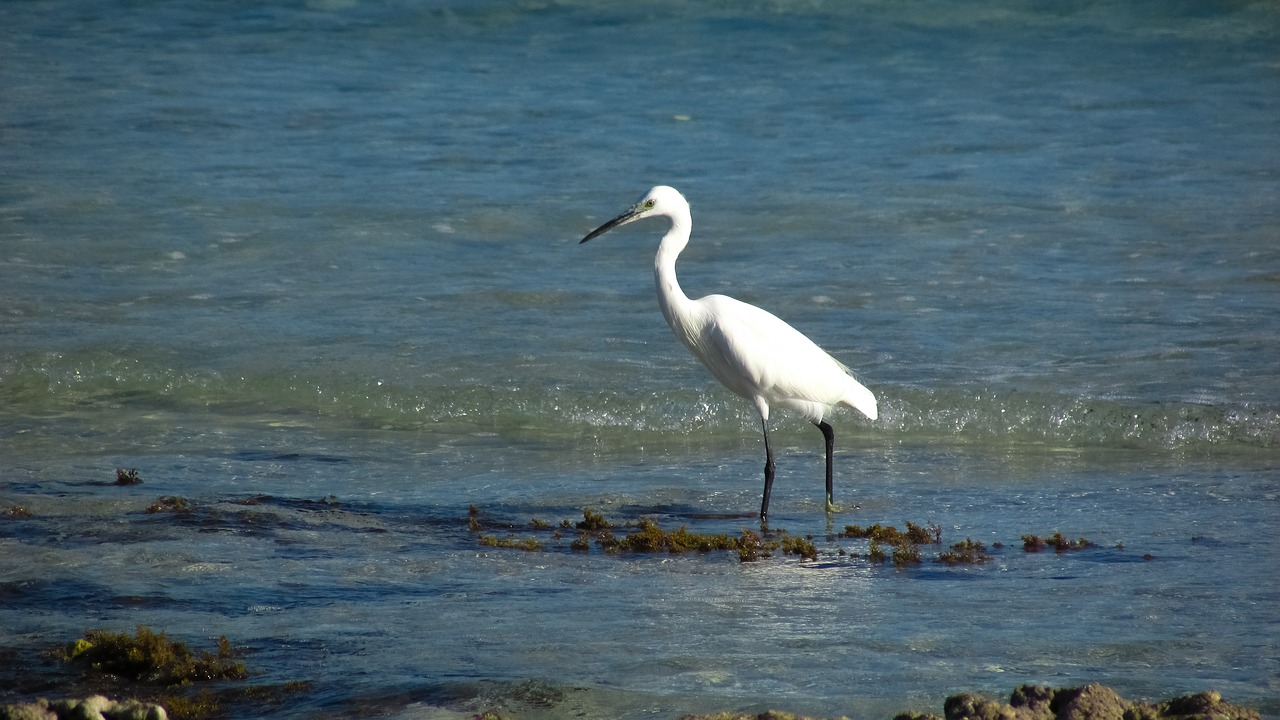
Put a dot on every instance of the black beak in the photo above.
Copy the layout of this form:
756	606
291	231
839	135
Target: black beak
622	219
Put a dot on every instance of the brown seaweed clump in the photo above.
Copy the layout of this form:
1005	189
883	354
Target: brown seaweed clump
1059	543
905	545
903	554
152	658
648	537
969	552
127	477
930	534
515	543
170	503
645	536
593	521
159	678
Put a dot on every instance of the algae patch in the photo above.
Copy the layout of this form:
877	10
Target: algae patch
1059	543
152	658
515	543
904	545
968	552
593	521
904	548
171	503
646	536
642	536
150	666
930	534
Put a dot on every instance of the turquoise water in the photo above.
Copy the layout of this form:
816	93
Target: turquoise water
272	253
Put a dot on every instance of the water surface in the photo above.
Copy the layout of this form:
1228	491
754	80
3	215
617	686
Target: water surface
315	268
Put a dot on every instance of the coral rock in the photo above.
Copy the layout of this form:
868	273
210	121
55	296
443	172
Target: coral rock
95	707
1091	702
27	711
976	707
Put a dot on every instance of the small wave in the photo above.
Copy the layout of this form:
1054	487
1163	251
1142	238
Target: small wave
103	384
1074	421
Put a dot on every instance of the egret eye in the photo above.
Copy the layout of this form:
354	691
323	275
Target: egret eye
648	204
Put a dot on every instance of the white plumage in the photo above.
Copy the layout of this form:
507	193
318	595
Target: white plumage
748	349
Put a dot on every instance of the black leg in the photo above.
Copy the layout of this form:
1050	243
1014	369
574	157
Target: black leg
768	475
830	436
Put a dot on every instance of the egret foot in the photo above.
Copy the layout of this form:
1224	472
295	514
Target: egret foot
832	507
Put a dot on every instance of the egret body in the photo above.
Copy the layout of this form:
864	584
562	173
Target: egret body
749	350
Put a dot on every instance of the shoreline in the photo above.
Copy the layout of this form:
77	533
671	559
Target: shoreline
539	701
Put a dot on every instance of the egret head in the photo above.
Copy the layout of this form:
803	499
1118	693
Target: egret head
661	200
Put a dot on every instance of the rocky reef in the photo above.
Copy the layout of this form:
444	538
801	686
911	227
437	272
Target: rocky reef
94	707
1028	702
1032	702
1090	702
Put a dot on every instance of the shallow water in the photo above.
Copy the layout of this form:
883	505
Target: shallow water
270	254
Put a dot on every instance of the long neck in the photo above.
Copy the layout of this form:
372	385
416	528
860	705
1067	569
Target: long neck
674	303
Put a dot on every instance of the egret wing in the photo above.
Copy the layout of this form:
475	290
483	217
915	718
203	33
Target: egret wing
756	353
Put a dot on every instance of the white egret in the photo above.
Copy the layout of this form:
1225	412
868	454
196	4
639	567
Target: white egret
749	350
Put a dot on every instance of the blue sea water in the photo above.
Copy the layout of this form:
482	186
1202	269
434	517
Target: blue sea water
314	267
